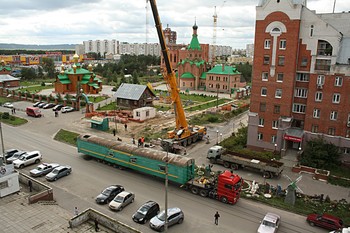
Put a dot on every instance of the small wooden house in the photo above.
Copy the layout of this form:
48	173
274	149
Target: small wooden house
134	96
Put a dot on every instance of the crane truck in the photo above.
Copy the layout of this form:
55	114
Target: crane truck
223	186
234	160
183	134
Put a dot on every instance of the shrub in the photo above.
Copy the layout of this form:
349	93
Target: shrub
6	115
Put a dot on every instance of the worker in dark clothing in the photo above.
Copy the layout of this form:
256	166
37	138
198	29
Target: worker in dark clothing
96	225
217	216
114	132
30	184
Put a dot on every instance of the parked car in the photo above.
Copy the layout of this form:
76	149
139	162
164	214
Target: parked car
326	221
67	109
49	105
59	172
175	216
57	107
121	200
7	105
37	103
41	105
269	223
43	169
9	153
109	193
15	156
146	212
27	159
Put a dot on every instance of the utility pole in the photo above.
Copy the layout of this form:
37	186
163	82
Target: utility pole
2	146
166	189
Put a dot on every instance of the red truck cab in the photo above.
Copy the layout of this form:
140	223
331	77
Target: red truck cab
229	187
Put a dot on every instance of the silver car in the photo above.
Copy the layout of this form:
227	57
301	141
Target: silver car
270	223
59	172
121	200
175	216
43	169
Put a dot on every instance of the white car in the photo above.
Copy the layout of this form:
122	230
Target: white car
121	200
7	105
43	169
27	159
270	223
67	109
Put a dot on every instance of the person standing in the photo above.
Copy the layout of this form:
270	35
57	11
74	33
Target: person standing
114	132
217	216
30	184
96	225
126	127
133	140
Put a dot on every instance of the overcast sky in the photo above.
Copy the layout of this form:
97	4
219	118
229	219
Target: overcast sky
74	21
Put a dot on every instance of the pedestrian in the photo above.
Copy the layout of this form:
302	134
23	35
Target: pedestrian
114	132
217	216
76	211
96	225
139	142
126	127
30	184
133	140
207	139
14	111
142	141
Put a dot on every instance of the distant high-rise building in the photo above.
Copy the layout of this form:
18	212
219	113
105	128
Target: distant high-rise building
250	50
301	77
169	35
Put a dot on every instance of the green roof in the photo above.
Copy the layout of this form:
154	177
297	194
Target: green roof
63	78
187	75
84	81
5	67
194	45
65	81
97	79
95	85
229	70
197	63
204	75
86	77
78	71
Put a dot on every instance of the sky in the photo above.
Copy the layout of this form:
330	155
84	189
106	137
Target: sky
74	21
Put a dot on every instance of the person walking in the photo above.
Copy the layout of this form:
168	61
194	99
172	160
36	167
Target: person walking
96	225
126	127
114	132
30	184
133	140
217	216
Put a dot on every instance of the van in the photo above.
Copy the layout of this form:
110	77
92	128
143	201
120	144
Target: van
27	159
33	111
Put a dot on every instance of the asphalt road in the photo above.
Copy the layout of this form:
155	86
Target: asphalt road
90	177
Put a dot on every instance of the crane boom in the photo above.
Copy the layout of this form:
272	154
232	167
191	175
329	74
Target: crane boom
181	122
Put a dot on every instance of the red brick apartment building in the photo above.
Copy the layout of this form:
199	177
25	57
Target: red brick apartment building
301	77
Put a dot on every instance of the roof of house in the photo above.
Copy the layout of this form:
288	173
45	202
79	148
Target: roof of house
7	78
187	75
194	45
131	91
8	68
204	75
228	70
192	62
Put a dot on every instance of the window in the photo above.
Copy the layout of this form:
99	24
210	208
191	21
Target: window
261	121
266	59
320	80
267	44
276	109
263	91
314	128
336	98
299	108
323	64
348	119
300	92
273	139
331	131
183	84
275	124
278	93
303	61
260	136
317	113
281	60
283	44
338	81
280	77
302	77
318	96
147	113
311	30
334	115
262	107
265	76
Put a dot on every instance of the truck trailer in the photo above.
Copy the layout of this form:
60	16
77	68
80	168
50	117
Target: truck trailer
223	186
234	160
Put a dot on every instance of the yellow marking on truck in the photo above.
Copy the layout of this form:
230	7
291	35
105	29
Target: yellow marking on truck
122	161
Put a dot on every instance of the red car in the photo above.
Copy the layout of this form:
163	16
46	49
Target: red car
326	221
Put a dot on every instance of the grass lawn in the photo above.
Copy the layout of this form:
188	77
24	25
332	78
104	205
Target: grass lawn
205	106
6	118
67	137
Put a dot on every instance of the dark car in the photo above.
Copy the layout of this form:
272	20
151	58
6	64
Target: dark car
57	107
43	169
108	194
37	103
41	105
9	153
15	156
59	172
49	105
146	212
326	221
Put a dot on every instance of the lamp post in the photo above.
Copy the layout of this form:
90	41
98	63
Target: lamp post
2	146
220	137
217	137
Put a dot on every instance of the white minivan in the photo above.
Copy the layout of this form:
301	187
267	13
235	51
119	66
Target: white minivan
27	159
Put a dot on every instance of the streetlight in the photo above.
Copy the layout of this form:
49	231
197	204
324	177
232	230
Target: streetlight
220	137
2	145
275	147
217	137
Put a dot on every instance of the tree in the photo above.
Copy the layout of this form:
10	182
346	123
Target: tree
28	74
135	78
320	154
49	67
246	70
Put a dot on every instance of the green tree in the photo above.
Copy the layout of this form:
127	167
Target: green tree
49	67
246	70
320	154
135	78
28	74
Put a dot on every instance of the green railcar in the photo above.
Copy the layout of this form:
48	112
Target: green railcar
145	160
